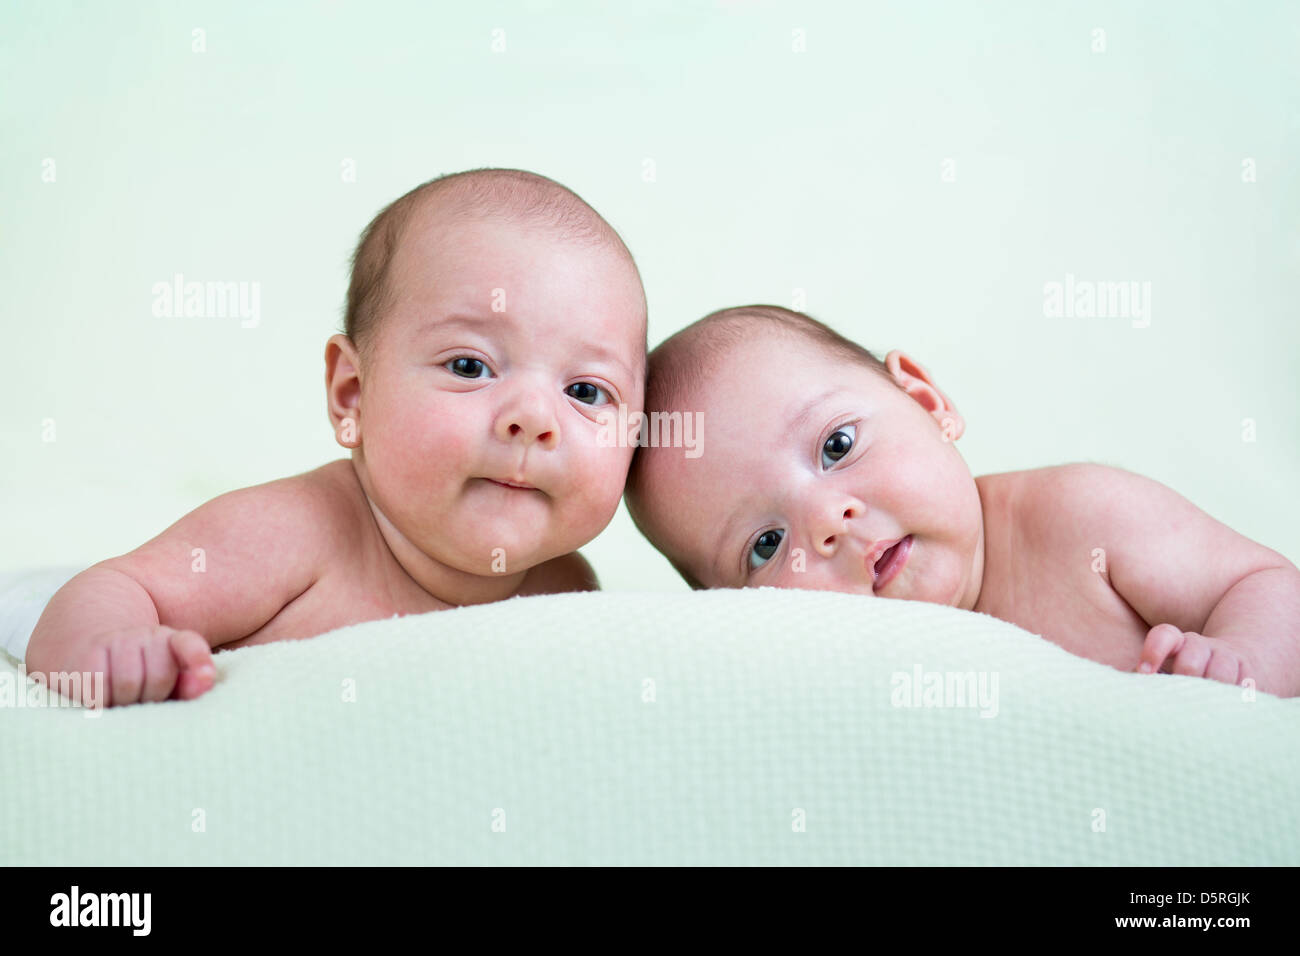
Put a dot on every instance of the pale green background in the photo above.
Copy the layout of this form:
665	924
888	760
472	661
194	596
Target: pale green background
775	170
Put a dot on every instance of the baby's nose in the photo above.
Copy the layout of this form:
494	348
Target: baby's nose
826	544
828	527
529	433
530	419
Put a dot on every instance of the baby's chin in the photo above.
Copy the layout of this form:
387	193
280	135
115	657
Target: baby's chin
488	559
519	547
503	546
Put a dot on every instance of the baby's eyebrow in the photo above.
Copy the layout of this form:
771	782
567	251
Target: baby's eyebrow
453	321
605	354
720	562
799	420
723	565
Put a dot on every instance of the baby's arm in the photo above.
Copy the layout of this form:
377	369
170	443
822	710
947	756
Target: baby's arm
1218	604
147	620
104	622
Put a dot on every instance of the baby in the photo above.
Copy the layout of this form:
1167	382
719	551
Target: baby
824	468
492	317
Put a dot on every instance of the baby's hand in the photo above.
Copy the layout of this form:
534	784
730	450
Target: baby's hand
151	663
1173	651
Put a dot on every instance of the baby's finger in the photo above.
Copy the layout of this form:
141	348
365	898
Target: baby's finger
126	665
1224	665
1194	657
194	658
100	665
1161	641
190	650
159	669
191	684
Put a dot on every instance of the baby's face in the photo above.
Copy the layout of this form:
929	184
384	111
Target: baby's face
479	406
812	467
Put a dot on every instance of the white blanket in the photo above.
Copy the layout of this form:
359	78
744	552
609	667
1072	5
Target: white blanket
729	727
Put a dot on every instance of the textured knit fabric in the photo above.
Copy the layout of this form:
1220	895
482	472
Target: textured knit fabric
755	727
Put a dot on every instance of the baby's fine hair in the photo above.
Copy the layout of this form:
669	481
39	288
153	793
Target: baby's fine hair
507	195
683	359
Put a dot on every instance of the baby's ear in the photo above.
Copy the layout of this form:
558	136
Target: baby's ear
912	377
343	390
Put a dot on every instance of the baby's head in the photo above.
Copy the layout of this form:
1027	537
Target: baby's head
492	315
817	457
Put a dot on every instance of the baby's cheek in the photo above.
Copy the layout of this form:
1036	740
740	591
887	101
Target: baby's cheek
428	442
451	446
596	481
935	471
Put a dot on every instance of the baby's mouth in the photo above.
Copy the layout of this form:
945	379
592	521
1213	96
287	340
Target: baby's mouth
512	483
887	566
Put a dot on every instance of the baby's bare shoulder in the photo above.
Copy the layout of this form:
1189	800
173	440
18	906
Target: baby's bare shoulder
326	501
1075	500
258	548
1042	516
335	490
1166	557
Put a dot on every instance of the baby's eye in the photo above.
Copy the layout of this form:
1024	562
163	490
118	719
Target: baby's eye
838	445
467	367
764	548
587	393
